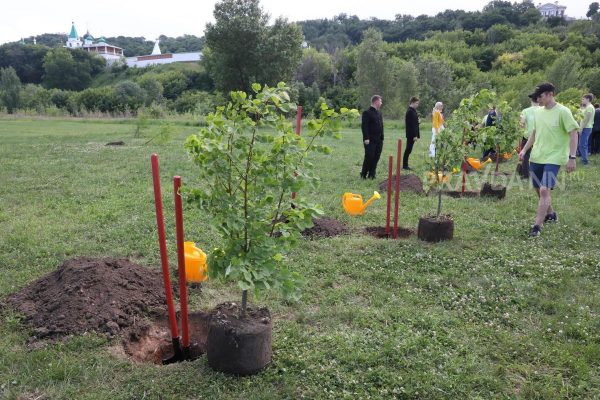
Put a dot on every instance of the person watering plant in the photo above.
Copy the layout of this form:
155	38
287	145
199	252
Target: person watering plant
437	125
372	130
553	143
527	122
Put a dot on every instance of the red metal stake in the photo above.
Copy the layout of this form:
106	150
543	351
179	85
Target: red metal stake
397	203
464	175
389	196
298	129
299	120
164	260
181	264
162	243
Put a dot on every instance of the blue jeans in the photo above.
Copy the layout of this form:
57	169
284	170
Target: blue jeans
584	137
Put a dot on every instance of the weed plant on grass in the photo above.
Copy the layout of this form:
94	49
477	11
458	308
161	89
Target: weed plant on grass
490	314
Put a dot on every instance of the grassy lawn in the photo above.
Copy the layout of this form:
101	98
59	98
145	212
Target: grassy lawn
490	314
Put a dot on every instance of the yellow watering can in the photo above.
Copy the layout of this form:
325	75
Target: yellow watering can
353	203
196	269
476	162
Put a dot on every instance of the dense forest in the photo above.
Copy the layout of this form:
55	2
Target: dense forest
506	46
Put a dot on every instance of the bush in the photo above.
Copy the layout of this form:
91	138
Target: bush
128	95
194	102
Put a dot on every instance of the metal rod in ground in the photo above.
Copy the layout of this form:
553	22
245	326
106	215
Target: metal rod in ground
164	261
397	194
298	130
389	195
464	175
185	338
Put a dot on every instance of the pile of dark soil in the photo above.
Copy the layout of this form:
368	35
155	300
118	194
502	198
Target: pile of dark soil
408	183
495	191
325	227
104	295
379	232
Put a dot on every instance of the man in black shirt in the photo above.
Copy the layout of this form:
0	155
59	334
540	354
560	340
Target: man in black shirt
411	123
372	130
595	141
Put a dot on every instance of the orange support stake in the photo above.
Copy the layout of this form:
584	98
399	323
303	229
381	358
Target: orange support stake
298	129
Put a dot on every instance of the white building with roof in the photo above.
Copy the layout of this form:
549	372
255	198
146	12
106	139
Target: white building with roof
157	57
97	46
551	10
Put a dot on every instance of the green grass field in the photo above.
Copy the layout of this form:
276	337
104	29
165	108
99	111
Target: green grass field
490	314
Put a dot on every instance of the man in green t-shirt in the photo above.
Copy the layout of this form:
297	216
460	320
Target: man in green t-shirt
586	126
527	122
553	143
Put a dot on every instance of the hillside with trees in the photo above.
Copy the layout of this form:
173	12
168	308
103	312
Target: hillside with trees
507	47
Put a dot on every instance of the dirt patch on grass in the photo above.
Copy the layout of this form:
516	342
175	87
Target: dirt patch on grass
150	341
459	194
325	227
379	232
408	183
103	295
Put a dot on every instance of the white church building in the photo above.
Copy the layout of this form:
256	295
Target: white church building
551	10
98	46
113	53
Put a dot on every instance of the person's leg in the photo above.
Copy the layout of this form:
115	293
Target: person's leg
583	144
378	147
525	162
367	160
596	142
544	205
409	146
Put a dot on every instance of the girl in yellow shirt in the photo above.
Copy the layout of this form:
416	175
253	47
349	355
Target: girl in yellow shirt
437	125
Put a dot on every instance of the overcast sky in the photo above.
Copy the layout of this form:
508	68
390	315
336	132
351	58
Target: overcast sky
178	17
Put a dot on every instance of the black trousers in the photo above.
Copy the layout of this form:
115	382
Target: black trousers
595	142
409	146
523	170
372	154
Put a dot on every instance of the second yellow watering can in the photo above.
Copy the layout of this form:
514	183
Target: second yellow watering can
476	162
196	269
353	203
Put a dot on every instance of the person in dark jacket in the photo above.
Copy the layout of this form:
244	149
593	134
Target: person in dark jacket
372	130
411	123
595	145
490	120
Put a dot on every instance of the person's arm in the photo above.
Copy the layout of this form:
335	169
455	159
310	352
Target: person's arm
572	150
522	121
528	145
365	127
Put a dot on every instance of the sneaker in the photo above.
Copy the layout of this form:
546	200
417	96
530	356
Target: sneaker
551	217
535	231
407	168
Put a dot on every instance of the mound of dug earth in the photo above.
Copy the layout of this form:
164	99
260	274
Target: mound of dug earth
325	227
408	183
104	295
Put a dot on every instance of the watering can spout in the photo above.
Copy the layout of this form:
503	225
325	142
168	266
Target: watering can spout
375	196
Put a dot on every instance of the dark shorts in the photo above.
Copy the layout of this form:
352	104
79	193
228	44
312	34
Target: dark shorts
543	175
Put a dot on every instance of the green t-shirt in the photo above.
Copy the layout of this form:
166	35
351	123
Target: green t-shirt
589	110
552	135
527	115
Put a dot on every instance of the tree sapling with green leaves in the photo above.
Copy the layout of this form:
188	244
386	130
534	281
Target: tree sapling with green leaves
250	161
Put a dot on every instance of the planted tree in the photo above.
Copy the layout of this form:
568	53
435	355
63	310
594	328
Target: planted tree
250	161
